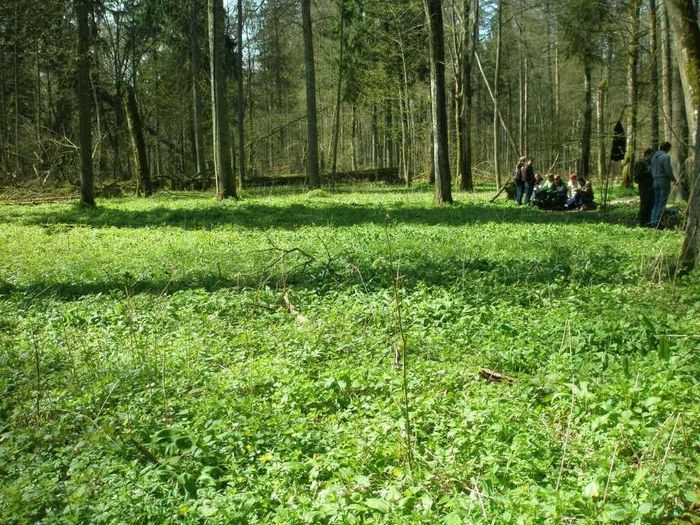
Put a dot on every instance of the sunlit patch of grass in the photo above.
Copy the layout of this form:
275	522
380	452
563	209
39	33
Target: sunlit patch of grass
154	366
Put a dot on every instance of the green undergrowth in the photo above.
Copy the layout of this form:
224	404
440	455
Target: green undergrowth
180	360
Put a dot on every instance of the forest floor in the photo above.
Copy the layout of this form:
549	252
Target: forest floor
177	359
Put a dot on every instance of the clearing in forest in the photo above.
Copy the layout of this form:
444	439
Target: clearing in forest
183	360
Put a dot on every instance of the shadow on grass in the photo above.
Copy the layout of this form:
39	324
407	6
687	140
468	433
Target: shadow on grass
316	212
558	266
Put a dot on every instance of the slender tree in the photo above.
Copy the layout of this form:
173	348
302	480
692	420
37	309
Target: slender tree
226	186
82	85
443	184
632	92
240	102
312	171
198	141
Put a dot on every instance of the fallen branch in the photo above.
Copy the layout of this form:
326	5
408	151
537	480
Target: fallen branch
495	377
298	316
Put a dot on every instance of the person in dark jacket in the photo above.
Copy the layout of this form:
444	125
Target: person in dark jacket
645	183
529	172
662	174
520	180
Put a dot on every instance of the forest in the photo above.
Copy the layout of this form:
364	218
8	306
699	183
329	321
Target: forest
295	262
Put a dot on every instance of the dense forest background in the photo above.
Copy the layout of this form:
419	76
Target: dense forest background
552	67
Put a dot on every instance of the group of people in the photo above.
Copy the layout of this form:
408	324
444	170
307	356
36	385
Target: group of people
654	175
550	193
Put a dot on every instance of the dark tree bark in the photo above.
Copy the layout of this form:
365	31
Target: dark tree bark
466	94
226	186
312	170
339	87
195	20
443	185
82	86
138	142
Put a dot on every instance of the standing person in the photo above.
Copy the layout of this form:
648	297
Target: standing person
529	180
645	182
519	180
662	174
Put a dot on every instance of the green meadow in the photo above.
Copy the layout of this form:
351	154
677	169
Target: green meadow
323	357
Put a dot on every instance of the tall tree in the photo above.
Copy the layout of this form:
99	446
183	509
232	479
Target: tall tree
198	141
684	19
632	92
654	73
226	186
443	184
312	170
496	83
82	86
240	100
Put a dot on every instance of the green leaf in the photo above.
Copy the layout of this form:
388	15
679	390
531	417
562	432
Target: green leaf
377	504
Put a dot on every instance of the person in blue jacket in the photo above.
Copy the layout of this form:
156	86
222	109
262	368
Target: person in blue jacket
662	175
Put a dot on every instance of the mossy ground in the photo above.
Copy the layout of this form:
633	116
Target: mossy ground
151	370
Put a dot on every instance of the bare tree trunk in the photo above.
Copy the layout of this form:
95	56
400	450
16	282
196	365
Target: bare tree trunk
82	85
241	98
471	22
679	125
312	126
632	98
443	186
684	16
654	74
219	106
196	101
496	83
600	116
587	123
138	143
338	94
376	156
666	73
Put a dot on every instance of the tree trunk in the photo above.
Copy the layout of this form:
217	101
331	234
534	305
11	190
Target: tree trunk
684	17
632	90
338	94
84	104
587	123
312	170
471	22
679	125
219	106
683	52
600	116
666	74
240	103
138	142
196	101
443	186
496	82
653	74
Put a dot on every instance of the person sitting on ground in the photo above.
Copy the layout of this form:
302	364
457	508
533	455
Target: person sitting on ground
559	193
571	185
543	193
537	190
582	195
